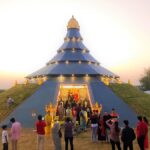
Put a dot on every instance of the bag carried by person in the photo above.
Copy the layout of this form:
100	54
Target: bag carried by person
133	134
59	133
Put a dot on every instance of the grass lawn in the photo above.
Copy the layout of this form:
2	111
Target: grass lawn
28	141
19	93
135	98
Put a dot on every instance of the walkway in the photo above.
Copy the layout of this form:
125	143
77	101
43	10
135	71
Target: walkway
81	142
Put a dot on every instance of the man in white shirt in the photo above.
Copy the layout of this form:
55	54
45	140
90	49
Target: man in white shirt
10	101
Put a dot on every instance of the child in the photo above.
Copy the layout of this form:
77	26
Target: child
4	137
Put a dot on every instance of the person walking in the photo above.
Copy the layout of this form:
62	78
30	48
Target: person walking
15	132
40	129
141	132
68	133
74	115
114	134
127	136
107	117
68	112
78	109
83	119
4	137
56	135
10	101
94	126
101	130
61	111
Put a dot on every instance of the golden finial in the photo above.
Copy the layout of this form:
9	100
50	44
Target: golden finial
73	23
96	104
129	82
40	81
26	82
16	82
118	81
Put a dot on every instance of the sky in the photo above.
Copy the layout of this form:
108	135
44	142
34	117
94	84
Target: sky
117	33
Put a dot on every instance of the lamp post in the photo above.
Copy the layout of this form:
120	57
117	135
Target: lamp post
34	114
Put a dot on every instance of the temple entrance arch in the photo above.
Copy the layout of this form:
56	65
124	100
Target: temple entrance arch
74	93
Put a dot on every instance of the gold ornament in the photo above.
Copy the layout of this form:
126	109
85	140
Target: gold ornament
73	23
40	81
97	108
129	82
118	81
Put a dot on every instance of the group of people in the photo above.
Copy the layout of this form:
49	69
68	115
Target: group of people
106	128
14	134
56	133
78	111
103	128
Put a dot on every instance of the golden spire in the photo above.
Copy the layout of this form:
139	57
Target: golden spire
73	23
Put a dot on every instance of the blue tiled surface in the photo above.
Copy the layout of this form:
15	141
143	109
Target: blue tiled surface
105	96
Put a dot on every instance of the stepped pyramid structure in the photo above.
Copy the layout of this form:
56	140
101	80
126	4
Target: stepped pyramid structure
73	58
73	68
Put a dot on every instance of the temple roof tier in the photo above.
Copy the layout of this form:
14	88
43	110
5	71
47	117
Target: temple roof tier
70	45
72	57
74	68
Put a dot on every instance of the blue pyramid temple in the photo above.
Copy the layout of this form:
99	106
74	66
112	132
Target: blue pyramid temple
72	71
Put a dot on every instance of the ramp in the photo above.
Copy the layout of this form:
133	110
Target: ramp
35	103
105	96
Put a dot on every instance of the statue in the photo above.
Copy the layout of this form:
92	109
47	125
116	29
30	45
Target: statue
106	81
118	81
97	108
26	82
40	81
129	82
49	117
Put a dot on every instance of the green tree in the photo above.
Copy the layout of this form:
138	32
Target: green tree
145	80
